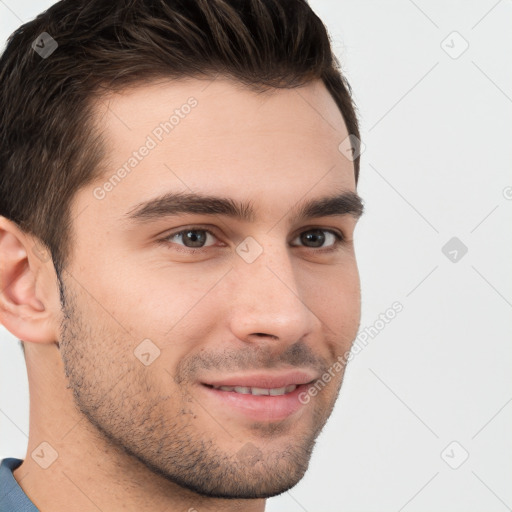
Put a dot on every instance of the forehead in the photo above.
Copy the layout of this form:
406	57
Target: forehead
224	104
218	137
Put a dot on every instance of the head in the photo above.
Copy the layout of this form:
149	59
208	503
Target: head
176	215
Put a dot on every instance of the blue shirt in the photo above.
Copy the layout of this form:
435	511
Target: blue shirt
12	497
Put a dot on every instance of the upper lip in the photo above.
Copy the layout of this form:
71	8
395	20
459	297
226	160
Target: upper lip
264	380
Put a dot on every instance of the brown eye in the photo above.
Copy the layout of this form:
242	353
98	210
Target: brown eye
315	238
191	238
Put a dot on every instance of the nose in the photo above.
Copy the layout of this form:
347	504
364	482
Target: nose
268	303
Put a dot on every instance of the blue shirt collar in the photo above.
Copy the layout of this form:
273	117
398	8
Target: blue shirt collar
12	497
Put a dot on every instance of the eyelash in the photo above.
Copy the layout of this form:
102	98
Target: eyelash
340	239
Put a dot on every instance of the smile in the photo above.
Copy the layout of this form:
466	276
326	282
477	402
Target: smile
258	391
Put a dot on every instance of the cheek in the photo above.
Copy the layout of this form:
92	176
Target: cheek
155	300
341	311
336	297
102	366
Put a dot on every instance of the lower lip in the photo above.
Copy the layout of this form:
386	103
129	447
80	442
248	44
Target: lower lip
258	407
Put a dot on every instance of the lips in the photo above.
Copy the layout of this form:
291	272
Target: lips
261	408
264	397
244	390
263	381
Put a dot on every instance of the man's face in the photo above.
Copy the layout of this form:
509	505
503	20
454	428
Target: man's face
161	305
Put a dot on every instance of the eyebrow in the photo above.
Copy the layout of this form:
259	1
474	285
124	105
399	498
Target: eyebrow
344	203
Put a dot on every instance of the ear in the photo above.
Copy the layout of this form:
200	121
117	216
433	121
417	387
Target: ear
29	295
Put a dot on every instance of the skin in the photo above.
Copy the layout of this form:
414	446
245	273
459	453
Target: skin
135	437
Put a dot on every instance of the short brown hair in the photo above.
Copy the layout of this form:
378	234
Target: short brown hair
49	147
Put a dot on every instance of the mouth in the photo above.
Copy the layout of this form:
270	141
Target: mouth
264	398
244	390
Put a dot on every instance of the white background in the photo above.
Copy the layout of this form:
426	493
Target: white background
437	165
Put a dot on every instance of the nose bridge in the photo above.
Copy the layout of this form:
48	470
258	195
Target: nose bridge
268	298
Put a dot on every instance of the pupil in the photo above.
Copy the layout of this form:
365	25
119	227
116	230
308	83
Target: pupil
195	239
316	237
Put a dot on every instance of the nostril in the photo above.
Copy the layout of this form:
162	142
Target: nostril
264	334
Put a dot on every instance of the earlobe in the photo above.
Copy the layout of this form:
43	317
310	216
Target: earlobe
26	308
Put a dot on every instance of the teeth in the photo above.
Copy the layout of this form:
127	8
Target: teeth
243	390
224	388
258	391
